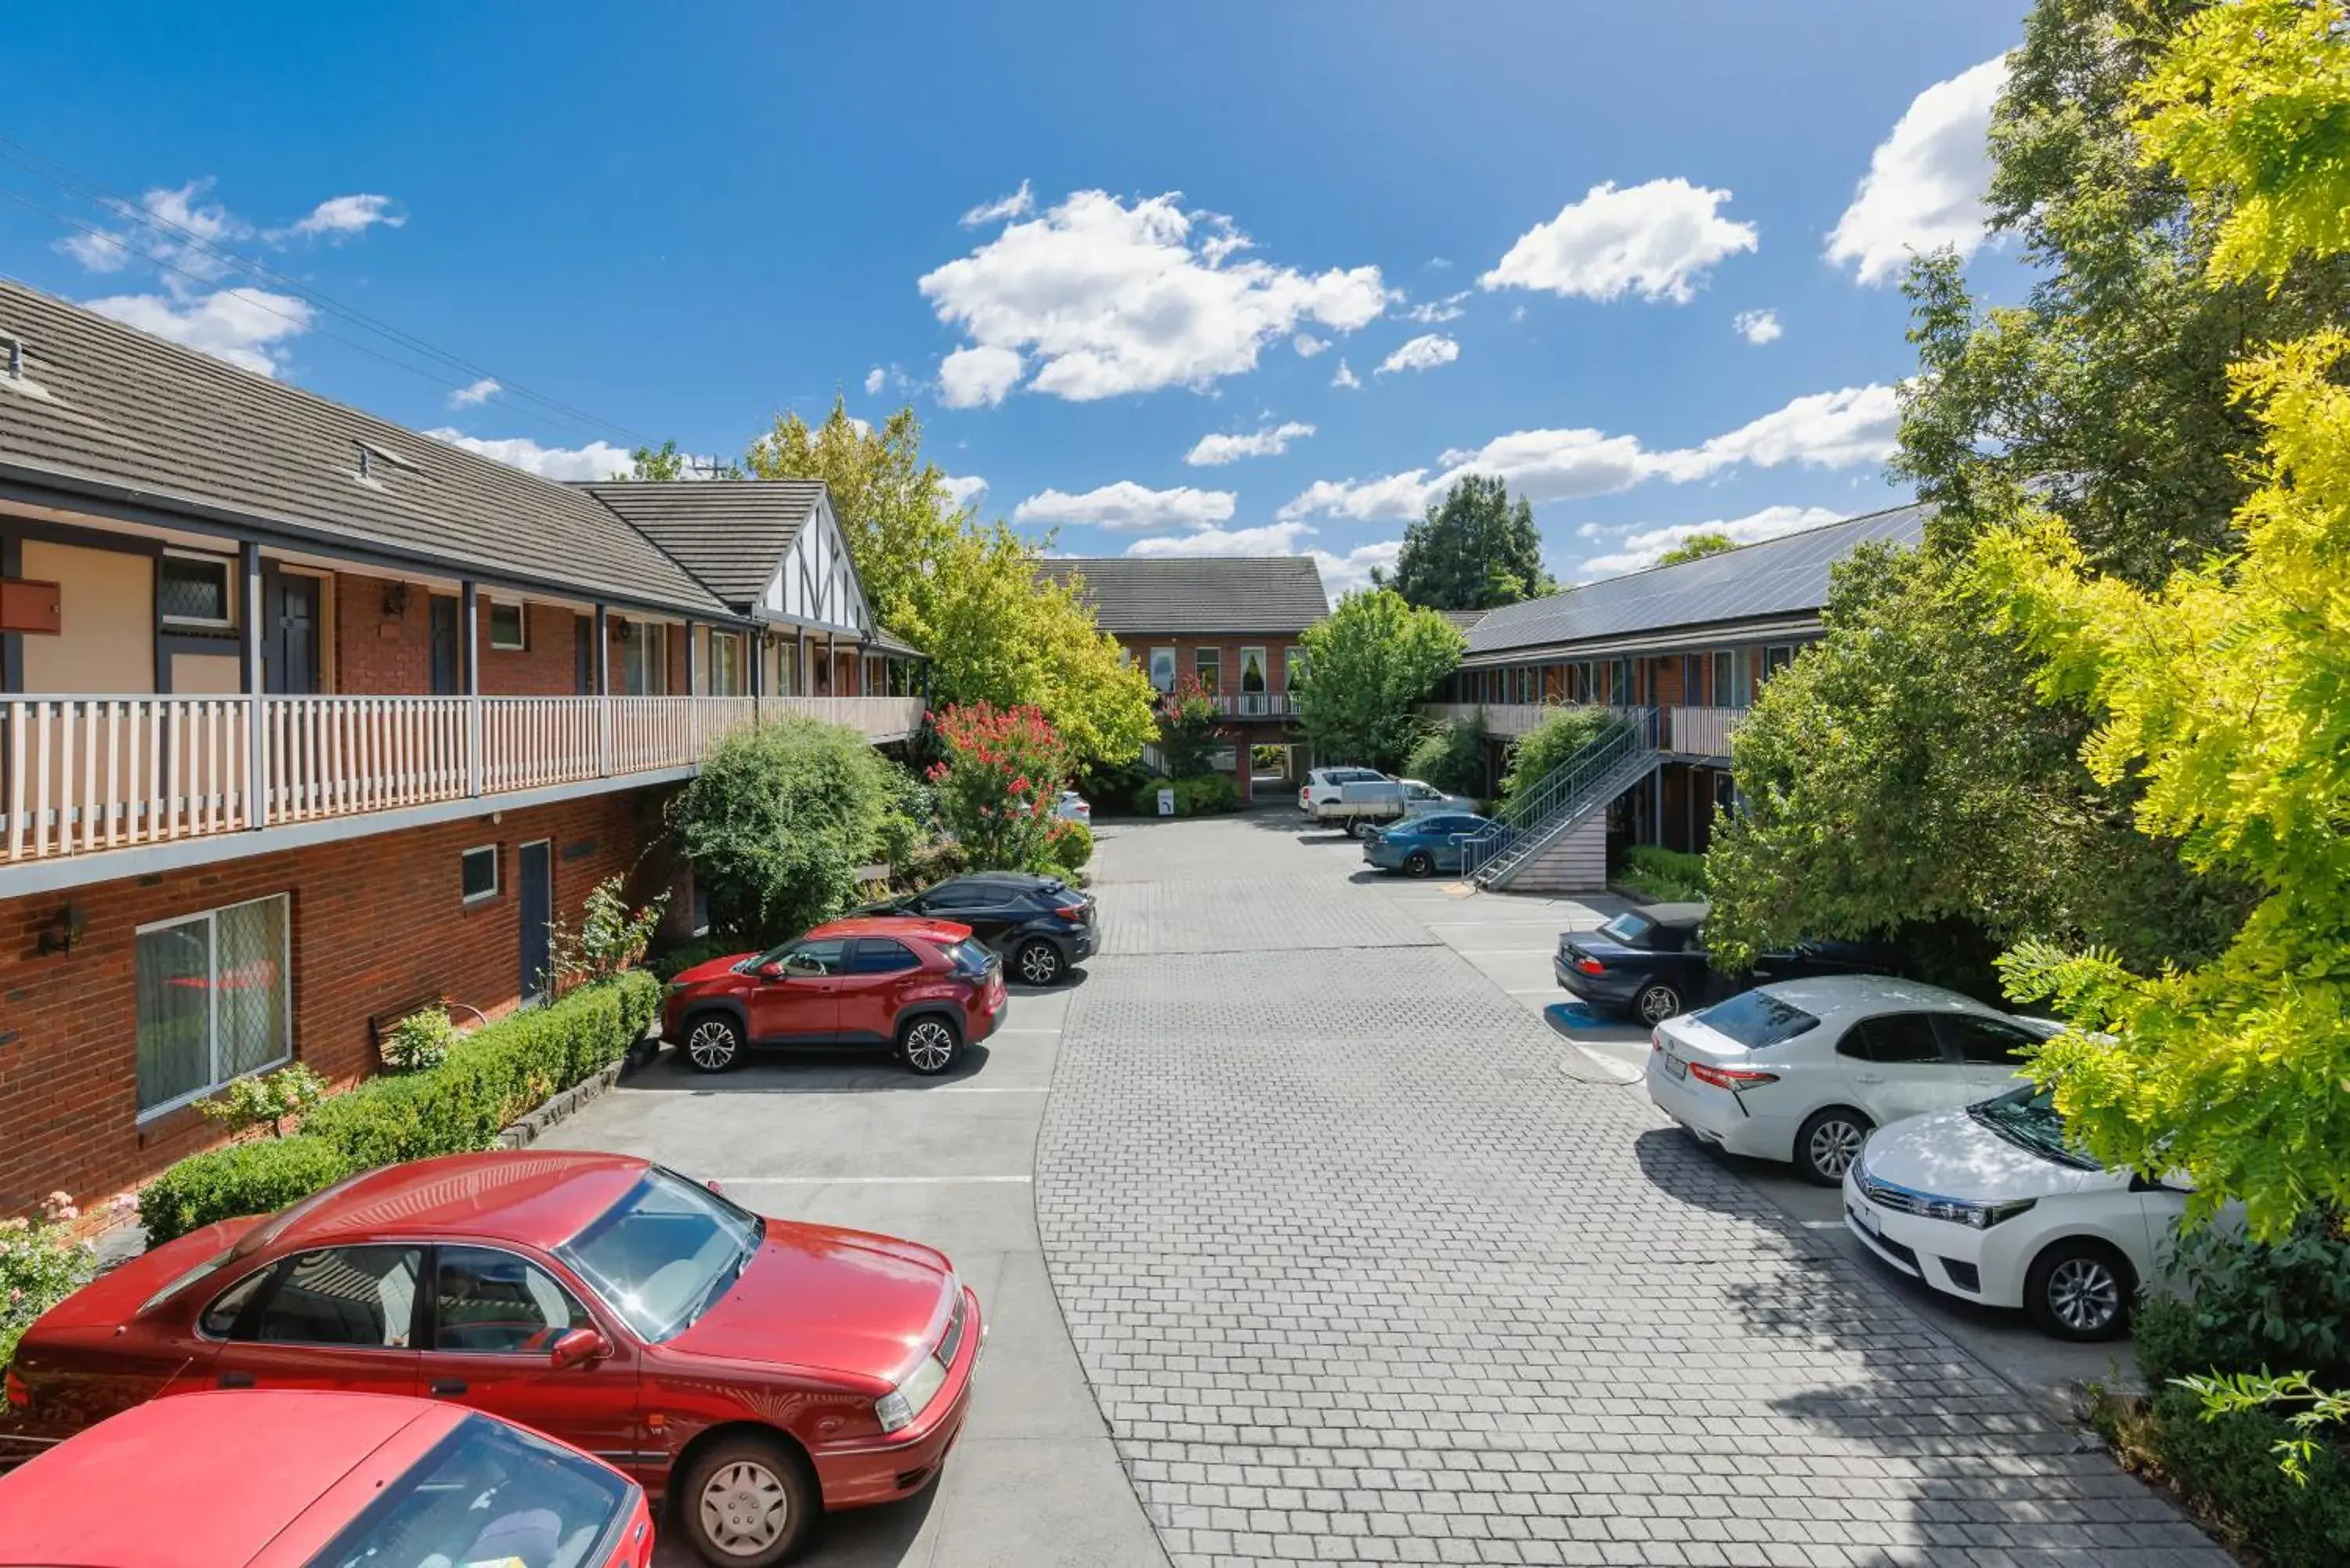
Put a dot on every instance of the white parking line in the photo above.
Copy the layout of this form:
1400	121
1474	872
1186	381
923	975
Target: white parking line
860	1181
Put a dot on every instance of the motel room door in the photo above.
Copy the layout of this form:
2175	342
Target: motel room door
537	918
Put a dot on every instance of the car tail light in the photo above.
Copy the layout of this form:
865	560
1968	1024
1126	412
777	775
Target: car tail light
1730	1078
1071	911
1589	966
1656	1039
19	1396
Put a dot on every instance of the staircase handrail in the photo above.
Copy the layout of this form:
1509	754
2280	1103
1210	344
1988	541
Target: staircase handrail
1562	787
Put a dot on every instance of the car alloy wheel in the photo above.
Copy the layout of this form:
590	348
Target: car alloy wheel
744	1508
1658	1002
929	1045
1831	1141
1040	963
1418	863
711	1044
2084	1295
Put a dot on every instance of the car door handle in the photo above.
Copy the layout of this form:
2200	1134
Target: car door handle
448	1388
1868	1078
235	1380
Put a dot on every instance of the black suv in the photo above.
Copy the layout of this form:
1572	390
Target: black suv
1039	924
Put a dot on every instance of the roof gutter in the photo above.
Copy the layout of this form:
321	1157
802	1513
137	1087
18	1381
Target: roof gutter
33	485
1687	639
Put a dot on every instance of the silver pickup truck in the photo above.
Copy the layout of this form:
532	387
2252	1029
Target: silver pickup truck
1355	806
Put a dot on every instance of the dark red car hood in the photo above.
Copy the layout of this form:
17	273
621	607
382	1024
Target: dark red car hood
842	1301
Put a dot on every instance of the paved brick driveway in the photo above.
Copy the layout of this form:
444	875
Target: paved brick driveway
1359	1274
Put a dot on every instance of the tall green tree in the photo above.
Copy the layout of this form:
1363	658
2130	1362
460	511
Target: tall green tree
2226	689
1474	550
1369	666
968	593
1697	547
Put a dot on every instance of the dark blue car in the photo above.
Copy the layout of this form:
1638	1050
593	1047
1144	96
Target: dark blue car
1423	845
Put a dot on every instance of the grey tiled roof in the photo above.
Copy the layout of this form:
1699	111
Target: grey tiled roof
1254	593
188	433
729	532
1777	578
1464	621
889	641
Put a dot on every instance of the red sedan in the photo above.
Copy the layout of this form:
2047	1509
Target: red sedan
921	985
348	1478
762	1371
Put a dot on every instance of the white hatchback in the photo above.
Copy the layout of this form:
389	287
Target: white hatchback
1803	1070
1989	1204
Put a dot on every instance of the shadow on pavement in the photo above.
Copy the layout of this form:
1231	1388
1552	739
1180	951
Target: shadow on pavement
804	1070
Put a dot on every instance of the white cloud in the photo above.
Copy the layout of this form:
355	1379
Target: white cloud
1925	184
1126	507
1821	429
1345	573
1640	547
188	220
1346	378
1273	539
1424	352
1757	326
978	377
1272	441
597	460
1110	299
875	380
1017	205
242	326
475	394
339	217
962	488
1656	239
1307	345
1433	311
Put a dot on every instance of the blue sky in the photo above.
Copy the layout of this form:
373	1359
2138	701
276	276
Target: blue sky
1641	260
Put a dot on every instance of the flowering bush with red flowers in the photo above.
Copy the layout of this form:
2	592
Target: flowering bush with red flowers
1004	771
1190	727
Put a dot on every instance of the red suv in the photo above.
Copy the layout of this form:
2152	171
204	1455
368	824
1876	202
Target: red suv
921	986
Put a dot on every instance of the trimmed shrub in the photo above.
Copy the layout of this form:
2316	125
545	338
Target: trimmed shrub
250	1178
418	1043
2227	1469
1662	875
488	1079
1071	846
1201	796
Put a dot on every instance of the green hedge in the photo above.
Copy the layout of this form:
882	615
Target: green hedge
1662	875
1201	795
667	966
2227	1469
490	1078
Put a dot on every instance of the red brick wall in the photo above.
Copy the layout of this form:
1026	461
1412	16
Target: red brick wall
1277	678
376	921
548	667
378	655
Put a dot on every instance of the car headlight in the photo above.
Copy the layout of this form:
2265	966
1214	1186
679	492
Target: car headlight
898	1408
1981	1216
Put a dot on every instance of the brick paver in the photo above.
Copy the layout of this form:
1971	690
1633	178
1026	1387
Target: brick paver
1358	1274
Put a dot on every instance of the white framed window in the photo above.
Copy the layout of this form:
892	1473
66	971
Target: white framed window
1208	669
1293	668
726	665
213	1001
196	591
477	873
1162	669
644	658
509	628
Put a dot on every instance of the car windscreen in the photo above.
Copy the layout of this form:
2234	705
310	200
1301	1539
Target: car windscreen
2027	1117
665	1252
1629	929
969	957
1757	1020
487	1494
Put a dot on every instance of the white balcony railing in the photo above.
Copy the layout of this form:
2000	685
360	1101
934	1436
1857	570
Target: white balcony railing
1257	705
1503	721
80	774
1701	732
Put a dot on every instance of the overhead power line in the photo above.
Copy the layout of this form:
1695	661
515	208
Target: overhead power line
238	263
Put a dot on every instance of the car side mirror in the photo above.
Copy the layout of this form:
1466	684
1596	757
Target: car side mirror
578	1347
772	972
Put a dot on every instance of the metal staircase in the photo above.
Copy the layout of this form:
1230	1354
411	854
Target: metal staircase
1565	799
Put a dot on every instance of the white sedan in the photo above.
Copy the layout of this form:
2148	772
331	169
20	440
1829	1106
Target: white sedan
1074	807
1803	1070
1989	1204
